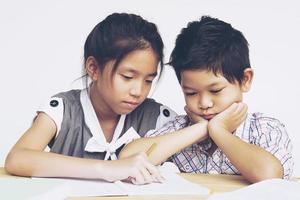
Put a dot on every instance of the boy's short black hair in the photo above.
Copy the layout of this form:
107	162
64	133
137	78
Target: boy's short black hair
214	45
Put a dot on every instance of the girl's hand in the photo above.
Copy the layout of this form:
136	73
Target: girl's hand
136	169
230	119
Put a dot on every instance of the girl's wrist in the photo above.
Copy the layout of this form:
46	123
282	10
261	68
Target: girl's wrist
102	170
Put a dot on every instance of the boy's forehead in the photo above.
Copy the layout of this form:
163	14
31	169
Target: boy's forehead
203	77
195	73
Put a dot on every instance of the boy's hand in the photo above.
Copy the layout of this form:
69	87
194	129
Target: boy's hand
197	119
230	119
194	117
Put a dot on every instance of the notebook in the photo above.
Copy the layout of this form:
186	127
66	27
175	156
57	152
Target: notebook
58	188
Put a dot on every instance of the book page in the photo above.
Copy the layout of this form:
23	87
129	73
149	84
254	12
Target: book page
173	185
80	187
269	189
60	188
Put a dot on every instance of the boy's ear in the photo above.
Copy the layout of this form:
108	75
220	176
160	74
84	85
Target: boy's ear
91	68
247	80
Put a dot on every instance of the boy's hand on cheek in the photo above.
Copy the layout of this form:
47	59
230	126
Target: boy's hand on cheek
198	121
194	117
230	119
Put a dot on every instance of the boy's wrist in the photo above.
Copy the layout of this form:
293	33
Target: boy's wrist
202	131
215	130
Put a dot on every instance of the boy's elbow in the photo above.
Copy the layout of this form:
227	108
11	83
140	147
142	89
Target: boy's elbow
122	154
10	164
125	153
269	172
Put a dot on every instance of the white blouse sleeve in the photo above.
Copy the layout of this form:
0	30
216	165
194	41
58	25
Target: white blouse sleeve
166	115
54	108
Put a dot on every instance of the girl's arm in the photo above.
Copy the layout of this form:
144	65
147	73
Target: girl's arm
27	158
253	162
167	144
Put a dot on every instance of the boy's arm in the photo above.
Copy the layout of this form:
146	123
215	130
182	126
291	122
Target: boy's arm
167	144
252	161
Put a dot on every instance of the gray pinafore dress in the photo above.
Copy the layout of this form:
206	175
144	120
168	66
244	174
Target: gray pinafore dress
79	133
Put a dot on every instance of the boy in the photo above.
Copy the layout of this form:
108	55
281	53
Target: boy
211	61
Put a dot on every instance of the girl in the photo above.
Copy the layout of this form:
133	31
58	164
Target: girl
85	128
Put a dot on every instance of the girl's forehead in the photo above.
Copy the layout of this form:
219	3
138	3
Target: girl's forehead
139	61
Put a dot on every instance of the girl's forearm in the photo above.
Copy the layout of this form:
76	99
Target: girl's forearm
24	162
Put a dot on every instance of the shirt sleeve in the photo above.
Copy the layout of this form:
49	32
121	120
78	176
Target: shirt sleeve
273	137
54	108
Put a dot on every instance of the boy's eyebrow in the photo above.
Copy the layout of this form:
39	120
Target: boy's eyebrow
153	74
210	85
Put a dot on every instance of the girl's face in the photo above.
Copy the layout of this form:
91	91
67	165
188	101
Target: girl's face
125	89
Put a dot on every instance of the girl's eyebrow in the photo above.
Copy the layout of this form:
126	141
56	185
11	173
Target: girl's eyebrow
137	72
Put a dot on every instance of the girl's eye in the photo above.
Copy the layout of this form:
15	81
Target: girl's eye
127	77
216	91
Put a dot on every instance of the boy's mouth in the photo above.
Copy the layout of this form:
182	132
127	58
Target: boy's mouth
208	117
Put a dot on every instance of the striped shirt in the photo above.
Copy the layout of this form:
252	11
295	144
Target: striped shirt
258	129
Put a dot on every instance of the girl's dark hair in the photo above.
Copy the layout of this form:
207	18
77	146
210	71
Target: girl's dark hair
214	45
118	35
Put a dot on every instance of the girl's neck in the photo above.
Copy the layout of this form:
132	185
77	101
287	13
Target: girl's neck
107	118
102	109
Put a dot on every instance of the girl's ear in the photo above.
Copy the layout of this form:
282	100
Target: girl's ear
91	68
247	80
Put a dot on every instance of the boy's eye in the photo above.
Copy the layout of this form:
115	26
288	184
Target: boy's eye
149	81
190	93
216	91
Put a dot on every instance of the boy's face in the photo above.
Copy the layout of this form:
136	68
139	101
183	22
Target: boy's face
207	94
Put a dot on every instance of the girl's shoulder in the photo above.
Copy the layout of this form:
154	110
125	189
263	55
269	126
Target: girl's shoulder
71	95
151	106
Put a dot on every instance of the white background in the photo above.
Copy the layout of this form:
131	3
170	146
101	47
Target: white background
41	53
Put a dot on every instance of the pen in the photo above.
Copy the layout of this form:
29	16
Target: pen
151	149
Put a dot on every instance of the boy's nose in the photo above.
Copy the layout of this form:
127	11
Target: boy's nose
205	103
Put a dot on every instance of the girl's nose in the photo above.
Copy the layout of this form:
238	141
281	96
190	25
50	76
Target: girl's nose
136	90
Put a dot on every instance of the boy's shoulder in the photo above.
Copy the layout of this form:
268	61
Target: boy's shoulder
178	122
260	120
263	117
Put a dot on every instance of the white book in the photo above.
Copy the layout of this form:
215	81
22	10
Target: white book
272	189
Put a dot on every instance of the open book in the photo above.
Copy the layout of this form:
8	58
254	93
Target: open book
57	188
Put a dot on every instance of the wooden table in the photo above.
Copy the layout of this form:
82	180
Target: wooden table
216	183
